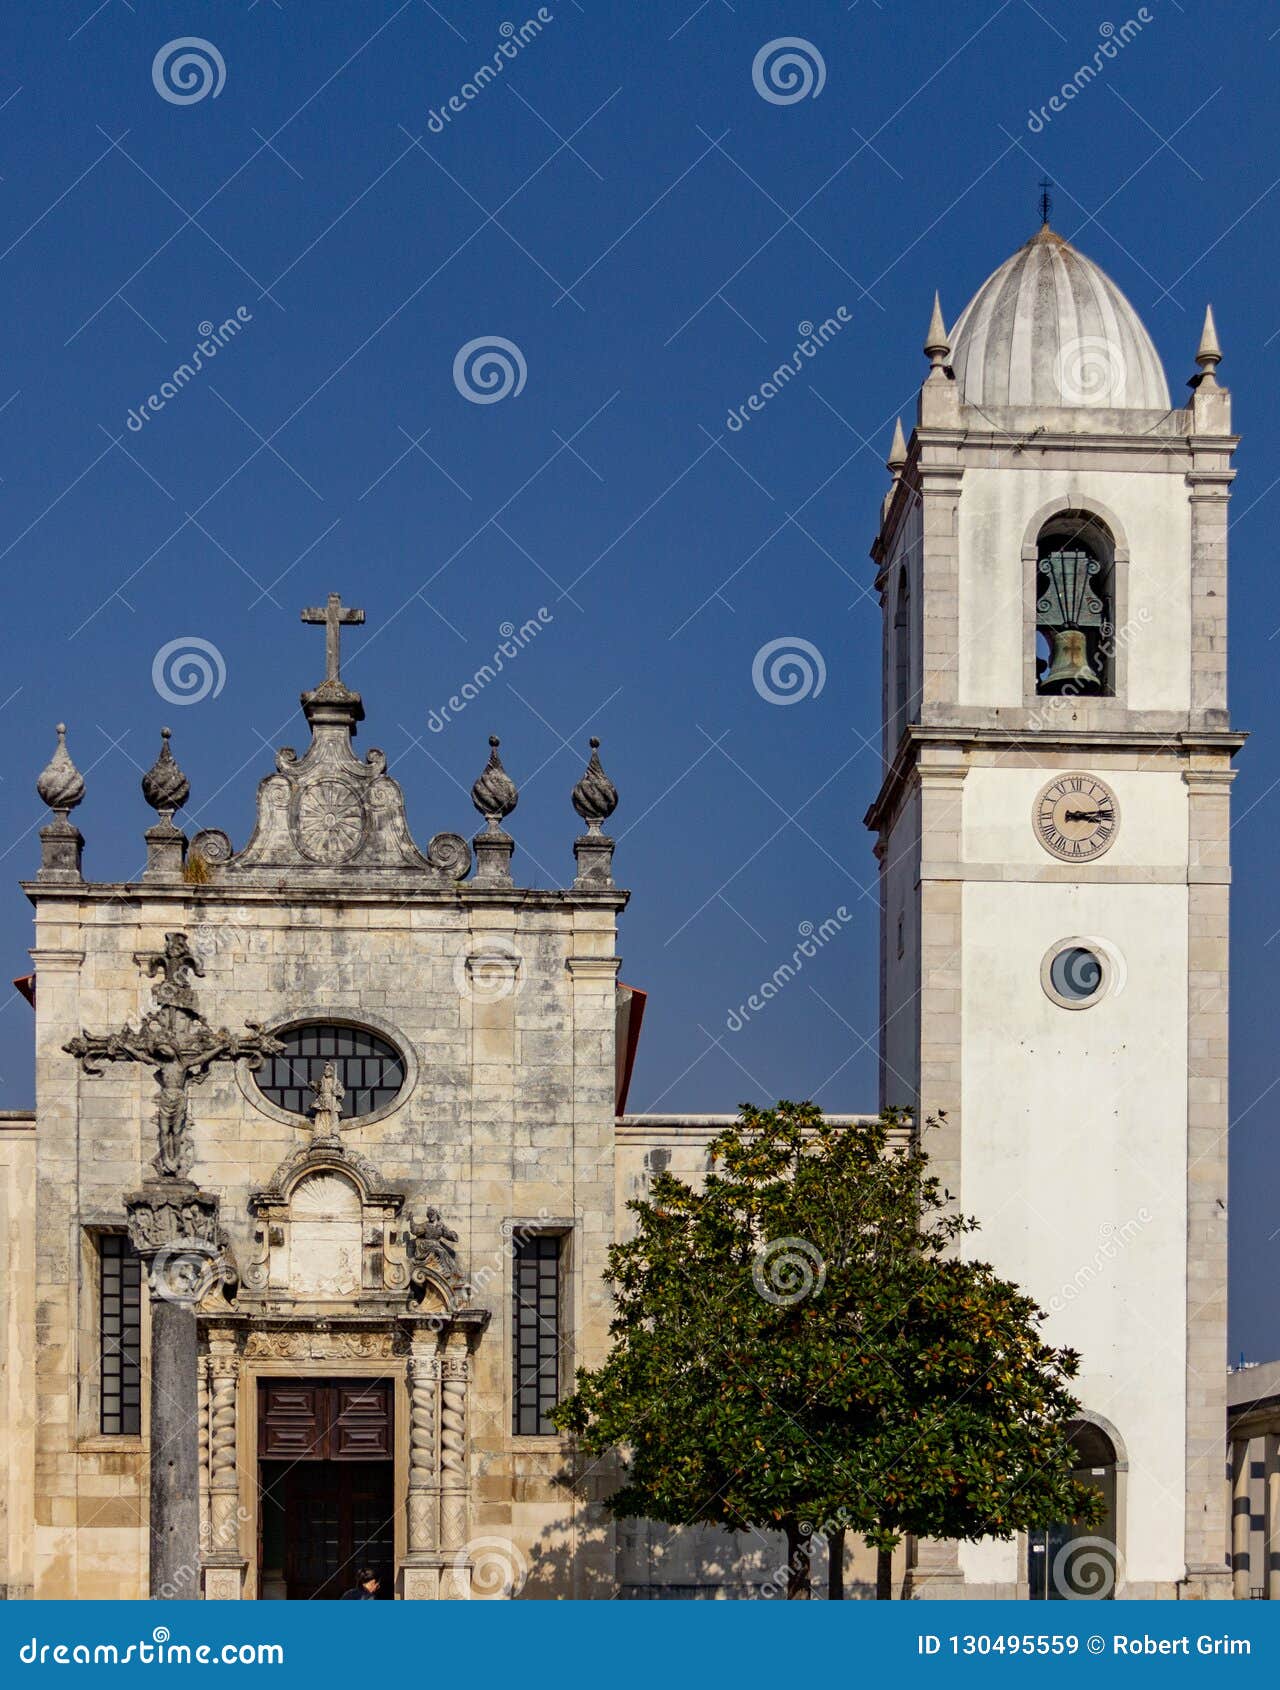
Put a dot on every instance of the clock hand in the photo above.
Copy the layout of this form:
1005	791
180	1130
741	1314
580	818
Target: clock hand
1089	815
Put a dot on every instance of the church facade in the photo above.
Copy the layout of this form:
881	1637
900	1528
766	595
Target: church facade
306	1233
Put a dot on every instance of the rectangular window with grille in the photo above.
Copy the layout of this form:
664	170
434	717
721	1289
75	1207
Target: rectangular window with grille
536	1333
119	1335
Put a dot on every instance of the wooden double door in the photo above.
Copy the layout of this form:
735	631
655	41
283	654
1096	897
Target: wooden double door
327	1496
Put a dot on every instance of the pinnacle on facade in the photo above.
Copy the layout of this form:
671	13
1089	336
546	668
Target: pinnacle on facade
495	796
937	348
1208	353
896	461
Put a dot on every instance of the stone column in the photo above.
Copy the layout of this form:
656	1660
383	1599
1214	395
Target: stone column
1240	1518
174	1228
224	1567
1271	1555
454	1502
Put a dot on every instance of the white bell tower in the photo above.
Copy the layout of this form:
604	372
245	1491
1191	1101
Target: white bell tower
1052	831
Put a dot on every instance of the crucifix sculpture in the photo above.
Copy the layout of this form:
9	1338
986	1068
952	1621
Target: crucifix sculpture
177	1043
333	614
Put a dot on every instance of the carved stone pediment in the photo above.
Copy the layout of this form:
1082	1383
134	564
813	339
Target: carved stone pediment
328	812
328	1230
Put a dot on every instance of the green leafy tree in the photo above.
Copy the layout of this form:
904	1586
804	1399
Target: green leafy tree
799	1345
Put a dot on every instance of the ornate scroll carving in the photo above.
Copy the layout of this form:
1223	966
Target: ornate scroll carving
317	1345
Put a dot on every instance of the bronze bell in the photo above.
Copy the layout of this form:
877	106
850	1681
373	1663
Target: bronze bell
1070	663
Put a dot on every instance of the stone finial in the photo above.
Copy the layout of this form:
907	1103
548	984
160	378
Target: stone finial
595	798
1208	353
166	789
61	787
895	463
164	786
495	796
937	348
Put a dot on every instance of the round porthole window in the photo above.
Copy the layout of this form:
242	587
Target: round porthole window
1076	973
370	1069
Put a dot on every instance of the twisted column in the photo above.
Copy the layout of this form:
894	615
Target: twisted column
424	1386
202	1441
224	1371
453	1449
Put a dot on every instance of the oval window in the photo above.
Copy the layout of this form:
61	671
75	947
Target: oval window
371	1070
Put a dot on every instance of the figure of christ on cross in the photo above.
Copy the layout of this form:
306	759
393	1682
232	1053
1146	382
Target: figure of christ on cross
333	615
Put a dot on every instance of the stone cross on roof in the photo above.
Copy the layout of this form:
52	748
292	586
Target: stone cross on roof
333	615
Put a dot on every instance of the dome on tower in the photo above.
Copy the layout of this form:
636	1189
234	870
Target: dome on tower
1049	328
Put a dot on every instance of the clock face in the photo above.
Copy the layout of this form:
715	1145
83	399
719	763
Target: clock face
1076	817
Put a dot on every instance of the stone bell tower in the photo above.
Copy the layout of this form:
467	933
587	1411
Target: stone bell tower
1052	832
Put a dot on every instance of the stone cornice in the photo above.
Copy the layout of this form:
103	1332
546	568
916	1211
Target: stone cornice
905	768
463	895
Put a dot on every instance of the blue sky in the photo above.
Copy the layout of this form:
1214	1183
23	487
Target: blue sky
623	207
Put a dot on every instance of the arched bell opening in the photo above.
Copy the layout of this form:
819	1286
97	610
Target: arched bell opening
1075	592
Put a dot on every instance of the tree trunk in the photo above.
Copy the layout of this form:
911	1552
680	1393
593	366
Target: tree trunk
799	1572
835	1565
884	1575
